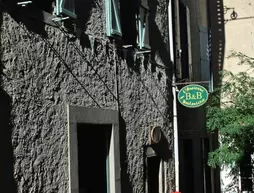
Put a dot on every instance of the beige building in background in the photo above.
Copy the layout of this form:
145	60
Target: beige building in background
239	32
239	37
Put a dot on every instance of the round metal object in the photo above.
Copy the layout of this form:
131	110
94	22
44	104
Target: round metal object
234	15
156	134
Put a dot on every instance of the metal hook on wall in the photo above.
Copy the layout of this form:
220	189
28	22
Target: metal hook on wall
227	8
233	15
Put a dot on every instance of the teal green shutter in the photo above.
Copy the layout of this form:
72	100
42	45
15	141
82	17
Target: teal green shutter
143	26
66	7
113	24
205	63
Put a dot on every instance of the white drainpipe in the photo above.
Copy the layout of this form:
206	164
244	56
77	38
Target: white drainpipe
175	124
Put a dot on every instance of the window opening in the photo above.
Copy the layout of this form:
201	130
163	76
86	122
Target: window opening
186	166
45	5
128	21
153	168
93	140
93	157
246	172
61	8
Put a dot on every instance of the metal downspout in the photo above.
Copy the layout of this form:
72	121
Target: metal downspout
175	124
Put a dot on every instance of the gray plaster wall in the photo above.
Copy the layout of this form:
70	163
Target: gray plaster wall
36	87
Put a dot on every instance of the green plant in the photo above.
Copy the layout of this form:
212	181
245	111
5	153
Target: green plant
231	113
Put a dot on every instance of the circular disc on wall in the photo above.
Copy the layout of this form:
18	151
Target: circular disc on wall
156	134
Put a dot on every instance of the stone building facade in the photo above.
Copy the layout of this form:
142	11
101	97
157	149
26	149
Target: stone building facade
84	91
77	103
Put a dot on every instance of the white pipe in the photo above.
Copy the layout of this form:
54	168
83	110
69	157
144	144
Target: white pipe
175	125
161	177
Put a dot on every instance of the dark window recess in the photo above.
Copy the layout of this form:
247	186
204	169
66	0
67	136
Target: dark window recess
45	5
153	167
205	54
93	146
134	23
246	172
57	7
186	166
128	10
184	41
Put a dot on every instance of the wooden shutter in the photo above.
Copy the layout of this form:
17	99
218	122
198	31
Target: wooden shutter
113	23
143	26
205	64
66	7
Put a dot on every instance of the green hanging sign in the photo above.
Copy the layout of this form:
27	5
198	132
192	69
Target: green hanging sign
193	96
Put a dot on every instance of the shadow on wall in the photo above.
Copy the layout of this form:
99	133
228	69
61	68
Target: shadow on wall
83	10
31	15
216	12
156	37
35	15
162	149
157	44
7	182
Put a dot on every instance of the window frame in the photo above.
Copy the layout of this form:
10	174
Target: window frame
143	27
112	8
61	10
86	115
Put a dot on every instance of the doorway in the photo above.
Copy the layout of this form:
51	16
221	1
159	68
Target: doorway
153	168
186	166
93	157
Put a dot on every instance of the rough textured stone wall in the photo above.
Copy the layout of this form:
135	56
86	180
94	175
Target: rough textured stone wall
39	86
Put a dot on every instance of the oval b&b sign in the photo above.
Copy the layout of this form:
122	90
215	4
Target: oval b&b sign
193	96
